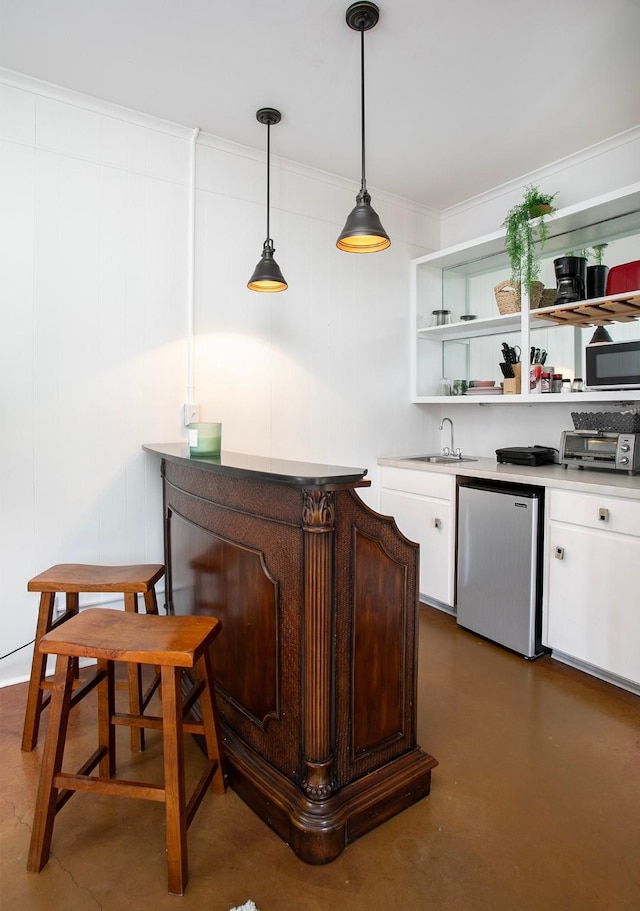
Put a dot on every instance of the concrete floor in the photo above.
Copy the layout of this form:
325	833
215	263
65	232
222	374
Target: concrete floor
535	805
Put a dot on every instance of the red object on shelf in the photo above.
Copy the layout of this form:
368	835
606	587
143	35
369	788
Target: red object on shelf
625	277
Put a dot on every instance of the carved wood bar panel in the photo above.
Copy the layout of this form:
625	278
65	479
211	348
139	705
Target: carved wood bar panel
316	664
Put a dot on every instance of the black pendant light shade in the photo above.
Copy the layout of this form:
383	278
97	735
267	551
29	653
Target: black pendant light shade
267	275
363	231
600	337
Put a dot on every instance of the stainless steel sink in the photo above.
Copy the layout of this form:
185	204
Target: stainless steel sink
439	458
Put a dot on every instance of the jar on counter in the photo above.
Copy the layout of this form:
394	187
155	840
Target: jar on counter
577	385
545	382
566	385
556	382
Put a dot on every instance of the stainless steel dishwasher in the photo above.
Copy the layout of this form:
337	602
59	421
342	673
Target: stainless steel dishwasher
500	563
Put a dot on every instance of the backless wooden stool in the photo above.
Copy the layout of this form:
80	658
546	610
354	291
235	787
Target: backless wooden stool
170	642
70	579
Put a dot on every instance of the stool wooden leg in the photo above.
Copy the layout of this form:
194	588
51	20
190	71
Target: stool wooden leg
151	607
134	674
212	732
176	812
38	670
150	601
106	711
45	810
72	604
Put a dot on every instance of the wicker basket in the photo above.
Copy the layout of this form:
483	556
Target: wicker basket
549	297
508	296
607	421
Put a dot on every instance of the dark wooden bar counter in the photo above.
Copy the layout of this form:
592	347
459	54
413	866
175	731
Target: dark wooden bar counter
316	663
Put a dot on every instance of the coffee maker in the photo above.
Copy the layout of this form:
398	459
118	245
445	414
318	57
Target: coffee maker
571	278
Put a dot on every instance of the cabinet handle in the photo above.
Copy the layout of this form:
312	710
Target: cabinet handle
559	553
603	515
437	523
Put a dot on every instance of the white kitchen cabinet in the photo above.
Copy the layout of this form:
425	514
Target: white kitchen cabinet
423	505
591	610
462	279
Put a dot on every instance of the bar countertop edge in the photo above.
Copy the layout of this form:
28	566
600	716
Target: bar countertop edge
261	468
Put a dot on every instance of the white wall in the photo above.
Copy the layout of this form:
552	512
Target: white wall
94	297
319	371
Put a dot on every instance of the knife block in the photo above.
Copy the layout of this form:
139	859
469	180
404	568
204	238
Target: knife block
512	385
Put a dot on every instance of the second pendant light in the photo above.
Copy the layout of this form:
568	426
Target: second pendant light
363	231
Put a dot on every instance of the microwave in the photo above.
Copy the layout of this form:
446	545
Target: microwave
613	365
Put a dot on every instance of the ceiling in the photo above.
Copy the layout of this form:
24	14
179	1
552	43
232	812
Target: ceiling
460	96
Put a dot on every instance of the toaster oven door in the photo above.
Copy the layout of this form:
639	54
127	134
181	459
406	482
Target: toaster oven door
591	447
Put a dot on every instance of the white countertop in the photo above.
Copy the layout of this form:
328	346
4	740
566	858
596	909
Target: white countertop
586	480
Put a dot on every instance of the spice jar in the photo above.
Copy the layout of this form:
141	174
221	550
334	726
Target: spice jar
545	384
566	385
577	385
556	382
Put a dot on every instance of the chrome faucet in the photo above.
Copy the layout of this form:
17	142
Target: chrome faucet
446	450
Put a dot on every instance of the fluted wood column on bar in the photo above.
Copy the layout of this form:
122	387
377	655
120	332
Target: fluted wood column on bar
316	663
319	519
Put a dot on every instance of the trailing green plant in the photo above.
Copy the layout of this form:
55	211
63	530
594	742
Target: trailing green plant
526	225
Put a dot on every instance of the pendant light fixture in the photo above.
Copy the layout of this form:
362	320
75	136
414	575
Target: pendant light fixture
363	231
267	275
600	337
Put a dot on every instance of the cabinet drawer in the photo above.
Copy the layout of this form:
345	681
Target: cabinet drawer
594	511
426	483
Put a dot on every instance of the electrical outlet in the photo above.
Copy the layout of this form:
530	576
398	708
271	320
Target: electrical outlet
190	413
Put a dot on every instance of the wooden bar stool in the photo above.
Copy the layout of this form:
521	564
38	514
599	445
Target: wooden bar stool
173	644
70	579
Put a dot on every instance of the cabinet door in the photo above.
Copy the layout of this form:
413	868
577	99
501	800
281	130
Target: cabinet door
593	606
429	522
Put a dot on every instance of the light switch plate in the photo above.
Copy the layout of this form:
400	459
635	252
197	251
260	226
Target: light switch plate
190	413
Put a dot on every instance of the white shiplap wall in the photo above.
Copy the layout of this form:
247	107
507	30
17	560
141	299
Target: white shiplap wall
94	226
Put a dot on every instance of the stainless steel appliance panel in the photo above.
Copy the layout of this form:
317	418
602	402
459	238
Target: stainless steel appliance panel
499	564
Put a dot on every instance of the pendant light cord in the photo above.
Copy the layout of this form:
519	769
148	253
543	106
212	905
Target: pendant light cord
268	181
364	179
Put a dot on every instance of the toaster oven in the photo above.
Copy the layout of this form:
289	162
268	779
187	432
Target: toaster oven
600	449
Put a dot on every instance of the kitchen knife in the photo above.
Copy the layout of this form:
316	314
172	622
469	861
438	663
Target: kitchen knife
507	371
543	356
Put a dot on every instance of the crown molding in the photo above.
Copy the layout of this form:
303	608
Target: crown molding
76	99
